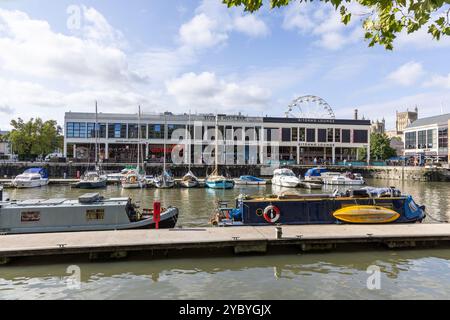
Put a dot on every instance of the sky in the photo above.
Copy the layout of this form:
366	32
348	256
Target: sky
199	56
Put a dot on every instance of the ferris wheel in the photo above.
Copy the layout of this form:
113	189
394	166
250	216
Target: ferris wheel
311	107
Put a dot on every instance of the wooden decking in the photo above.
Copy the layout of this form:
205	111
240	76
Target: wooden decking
237	239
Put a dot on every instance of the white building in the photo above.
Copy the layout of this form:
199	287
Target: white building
298	141
428	137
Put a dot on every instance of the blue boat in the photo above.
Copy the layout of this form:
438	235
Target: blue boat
250	180
365	206
315	174
31	178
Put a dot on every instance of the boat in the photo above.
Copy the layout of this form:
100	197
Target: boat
347	179
116	178
250	181
134	179
189	181
362	206
91	180
314	175
31	178
90	212
285	178
164	181
215	180
310	185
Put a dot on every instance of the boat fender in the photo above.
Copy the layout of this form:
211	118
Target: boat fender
272	214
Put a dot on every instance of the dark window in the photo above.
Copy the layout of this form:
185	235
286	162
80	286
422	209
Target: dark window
431	139
156	131
272	134
410	140
322	135
171	128
294	134
330	133
311	135
302	134
132	131
117	130
443	138
286	134
337	135
76	130
422	139
346	136
360	136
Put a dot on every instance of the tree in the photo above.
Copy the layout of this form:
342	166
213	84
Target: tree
385	19
380	148
35	137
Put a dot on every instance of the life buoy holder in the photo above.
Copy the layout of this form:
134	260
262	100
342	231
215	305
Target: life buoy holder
272	214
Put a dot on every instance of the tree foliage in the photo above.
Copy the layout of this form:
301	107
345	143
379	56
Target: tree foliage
384	20
35	137
380	148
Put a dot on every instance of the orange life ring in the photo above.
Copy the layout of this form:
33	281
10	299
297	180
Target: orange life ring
133	179
272	214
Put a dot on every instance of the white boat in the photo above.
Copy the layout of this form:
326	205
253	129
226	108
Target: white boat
91	180
117	177
250	181
285	178
133	180
90	212
164	181
347	179
189	180
31	178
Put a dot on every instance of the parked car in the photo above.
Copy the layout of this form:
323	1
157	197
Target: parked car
53	157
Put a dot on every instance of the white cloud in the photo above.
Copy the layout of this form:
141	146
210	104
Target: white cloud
202	32
323	22
251	26
205	92
407	74
438	81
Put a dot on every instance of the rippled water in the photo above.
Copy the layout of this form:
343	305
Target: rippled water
417	274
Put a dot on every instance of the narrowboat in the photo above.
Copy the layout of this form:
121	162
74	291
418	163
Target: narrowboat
365	206
90	212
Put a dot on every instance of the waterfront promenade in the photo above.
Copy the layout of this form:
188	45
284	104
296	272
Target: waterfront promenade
206	241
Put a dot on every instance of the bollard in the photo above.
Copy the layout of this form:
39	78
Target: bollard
156	213
279	233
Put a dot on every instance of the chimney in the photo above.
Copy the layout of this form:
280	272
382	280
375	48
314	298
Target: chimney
356	114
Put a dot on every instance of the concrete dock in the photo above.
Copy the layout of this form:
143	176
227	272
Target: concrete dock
237	240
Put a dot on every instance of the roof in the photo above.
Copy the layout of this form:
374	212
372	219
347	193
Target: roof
441	119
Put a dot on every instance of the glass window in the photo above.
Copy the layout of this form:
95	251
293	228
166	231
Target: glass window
330	135
346	136
431	134
69	130
156	131
302	134
322	135
294	136
410	140
133	131
360	136
76	130
117	130
311	135
337	135
286	134
443	138
422	139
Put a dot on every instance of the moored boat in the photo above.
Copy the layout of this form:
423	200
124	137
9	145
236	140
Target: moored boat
215	181
133	180
347	179
91	180
164	181
365	206
314	175
285	178
90	212
250	181
189	181
31	178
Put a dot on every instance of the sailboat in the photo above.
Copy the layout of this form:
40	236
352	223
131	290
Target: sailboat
189	180
93	179
216	181
165	180
133	179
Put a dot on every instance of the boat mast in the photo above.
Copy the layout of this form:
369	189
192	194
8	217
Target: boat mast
139	141
96	135
217	146
165	132
188	149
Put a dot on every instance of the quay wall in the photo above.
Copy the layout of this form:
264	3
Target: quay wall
70	170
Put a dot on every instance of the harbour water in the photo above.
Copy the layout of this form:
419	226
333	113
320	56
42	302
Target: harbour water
416	274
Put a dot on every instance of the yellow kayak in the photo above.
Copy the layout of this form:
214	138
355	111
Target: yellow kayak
366	214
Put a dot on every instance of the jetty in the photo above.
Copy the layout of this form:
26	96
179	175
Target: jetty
196	242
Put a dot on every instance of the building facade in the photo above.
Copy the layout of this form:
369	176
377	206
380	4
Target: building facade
242	140
378	126
428	137
404	119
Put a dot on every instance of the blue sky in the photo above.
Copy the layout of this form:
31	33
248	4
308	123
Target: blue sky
200	56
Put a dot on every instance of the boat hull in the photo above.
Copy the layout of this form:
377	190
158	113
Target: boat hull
90	185
190	184
249	183
29	184
222	184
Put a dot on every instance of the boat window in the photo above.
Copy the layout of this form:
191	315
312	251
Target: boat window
95	214
30	216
